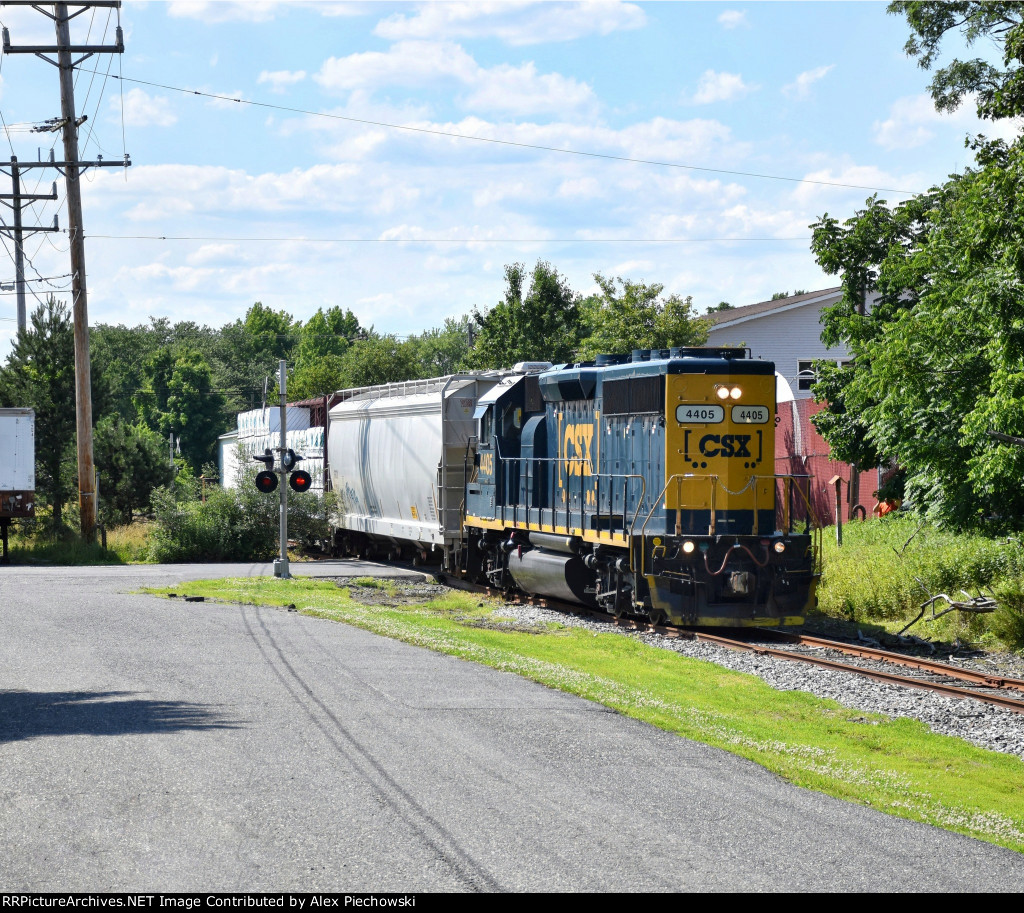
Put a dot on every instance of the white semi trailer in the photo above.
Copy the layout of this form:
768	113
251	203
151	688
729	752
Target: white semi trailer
17	468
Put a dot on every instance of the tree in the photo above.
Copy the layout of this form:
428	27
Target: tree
132	461
250	350
40	374
998	93
376	360
633	315
939	355
319	363
178	398
442	351
721	306
540	325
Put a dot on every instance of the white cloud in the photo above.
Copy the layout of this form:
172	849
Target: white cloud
913	121
214	11
515	23
715	86
224	10
801	86
860	178
515	89
280	79
143	110
732	19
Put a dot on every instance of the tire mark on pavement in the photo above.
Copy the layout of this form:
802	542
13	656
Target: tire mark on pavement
407	808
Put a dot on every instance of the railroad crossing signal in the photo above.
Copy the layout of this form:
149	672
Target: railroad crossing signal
266	481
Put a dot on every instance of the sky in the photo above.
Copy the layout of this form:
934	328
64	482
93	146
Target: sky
742	122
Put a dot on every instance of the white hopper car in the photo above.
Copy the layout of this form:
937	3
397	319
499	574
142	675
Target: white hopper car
398	457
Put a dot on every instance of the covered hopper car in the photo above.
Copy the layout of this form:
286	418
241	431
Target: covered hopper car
642	485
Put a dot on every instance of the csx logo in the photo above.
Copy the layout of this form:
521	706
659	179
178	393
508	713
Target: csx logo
487	463
725	445
576	447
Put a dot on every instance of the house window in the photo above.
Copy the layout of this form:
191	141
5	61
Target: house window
806	376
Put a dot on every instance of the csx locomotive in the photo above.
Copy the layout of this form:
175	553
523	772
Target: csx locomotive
642	485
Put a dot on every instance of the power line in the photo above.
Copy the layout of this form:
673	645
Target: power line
350	240
504	142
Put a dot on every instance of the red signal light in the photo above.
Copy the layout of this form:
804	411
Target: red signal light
300	480
266	481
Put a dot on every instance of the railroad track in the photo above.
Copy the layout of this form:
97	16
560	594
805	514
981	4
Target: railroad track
877	664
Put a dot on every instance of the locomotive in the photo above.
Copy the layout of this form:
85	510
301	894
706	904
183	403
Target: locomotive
642	485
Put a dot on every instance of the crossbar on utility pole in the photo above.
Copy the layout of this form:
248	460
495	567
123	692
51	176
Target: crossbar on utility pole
71	168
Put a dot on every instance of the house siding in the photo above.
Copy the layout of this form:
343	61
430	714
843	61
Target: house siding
786	338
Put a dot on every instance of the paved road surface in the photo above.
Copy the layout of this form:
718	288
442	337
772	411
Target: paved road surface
156	745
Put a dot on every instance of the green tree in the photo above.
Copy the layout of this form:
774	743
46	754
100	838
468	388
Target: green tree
442	351
40	374
541	323
250	350
119	355
377	360
178	398
131	461
319	358
998	92
721	306
634	315
939	354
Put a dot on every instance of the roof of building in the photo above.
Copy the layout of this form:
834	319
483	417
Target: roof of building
741	314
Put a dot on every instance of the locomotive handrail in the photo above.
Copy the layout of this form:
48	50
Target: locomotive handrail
679	478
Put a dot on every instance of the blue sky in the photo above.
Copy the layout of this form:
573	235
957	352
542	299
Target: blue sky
409	228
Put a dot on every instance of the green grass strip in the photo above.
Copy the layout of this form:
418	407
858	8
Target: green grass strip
895	765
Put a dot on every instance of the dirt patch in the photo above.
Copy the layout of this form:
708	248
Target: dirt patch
391	593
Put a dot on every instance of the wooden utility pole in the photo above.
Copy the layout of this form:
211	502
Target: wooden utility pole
72	169
17	232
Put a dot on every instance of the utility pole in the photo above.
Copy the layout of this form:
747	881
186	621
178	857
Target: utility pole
281	564
17	232
72	169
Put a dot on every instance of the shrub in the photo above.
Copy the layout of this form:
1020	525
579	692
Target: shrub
239	524
886	568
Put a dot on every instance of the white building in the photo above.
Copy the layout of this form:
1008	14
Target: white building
259	430
786	331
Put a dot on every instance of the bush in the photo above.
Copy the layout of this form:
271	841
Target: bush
238	524
888	567
234	525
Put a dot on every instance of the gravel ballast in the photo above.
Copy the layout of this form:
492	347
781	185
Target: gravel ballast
984	725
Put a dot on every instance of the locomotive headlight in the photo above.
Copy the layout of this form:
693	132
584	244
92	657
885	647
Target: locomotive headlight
780	546
735	392
688	547
723	392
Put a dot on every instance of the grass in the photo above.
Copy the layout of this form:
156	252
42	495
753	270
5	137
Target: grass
886	568
128	544
895	765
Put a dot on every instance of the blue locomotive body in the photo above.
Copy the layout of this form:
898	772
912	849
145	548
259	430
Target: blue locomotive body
643	485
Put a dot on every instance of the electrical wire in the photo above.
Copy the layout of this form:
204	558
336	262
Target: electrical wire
504	142
440	240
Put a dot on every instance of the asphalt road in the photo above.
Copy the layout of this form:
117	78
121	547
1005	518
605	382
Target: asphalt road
156	745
